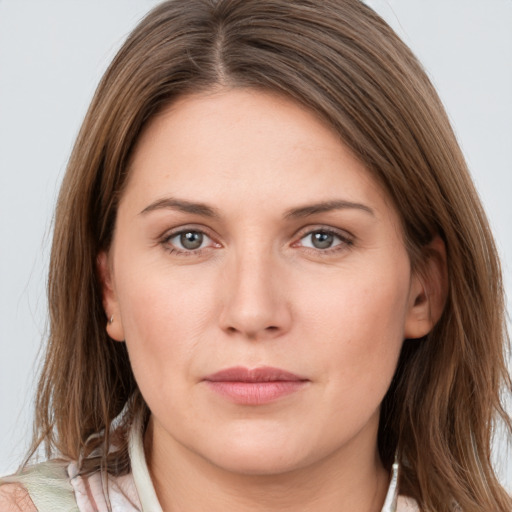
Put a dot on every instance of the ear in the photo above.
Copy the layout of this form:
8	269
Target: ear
428	292
110	303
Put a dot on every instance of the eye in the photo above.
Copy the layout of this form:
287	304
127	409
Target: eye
188	240
323	239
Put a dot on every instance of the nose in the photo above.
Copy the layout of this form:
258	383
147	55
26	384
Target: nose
256	304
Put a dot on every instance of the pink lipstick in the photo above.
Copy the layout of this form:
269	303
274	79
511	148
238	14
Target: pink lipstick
254	387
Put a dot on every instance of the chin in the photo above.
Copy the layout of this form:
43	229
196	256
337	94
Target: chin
248	455
261	463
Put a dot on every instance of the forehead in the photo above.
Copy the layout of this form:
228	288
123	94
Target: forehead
250	144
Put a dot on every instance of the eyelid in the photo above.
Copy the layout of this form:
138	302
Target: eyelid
342	233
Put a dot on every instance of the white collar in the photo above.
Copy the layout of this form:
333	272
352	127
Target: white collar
140	471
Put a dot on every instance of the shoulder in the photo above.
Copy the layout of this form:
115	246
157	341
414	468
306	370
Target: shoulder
40	488
405	504
15	498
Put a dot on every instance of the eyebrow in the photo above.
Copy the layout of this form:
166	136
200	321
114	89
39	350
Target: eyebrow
326	206
183	206
299	212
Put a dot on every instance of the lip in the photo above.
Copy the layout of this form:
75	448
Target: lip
255	386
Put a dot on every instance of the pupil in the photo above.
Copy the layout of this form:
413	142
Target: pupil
322	240
191	240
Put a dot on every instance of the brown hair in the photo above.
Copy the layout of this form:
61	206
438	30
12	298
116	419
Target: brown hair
345	63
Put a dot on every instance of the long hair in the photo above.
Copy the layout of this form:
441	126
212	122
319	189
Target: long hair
343	62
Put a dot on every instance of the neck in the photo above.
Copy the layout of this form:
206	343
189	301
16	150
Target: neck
348	480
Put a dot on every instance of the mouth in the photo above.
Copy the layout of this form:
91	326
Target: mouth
255	386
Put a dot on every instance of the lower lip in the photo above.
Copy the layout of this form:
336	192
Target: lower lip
256	393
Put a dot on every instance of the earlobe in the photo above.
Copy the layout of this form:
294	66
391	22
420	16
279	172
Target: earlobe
429	289
110	303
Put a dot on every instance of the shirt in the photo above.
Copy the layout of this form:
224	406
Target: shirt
56	486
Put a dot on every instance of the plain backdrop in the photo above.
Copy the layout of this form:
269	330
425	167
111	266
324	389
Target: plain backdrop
52	54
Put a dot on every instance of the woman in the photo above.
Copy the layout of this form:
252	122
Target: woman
272	284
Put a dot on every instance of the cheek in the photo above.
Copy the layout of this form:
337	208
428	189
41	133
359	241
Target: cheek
164	317
358	329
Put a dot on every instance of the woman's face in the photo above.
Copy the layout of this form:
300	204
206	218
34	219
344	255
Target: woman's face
249	238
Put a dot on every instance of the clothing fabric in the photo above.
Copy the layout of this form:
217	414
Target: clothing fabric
56	486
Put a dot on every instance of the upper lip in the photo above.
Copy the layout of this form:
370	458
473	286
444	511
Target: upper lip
260	374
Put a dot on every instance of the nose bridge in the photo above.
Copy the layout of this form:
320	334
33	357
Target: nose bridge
254	306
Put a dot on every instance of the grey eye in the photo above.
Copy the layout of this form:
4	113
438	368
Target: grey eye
188	240
191	240
322	239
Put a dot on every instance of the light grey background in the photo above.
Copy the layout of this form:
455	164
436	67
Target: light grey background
52	54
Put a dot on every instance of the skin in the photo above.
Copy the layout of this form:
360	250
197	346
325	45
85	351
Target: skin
258	292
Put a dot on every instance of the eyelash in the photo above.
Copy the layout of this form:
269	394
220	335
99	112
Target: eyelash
346	241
